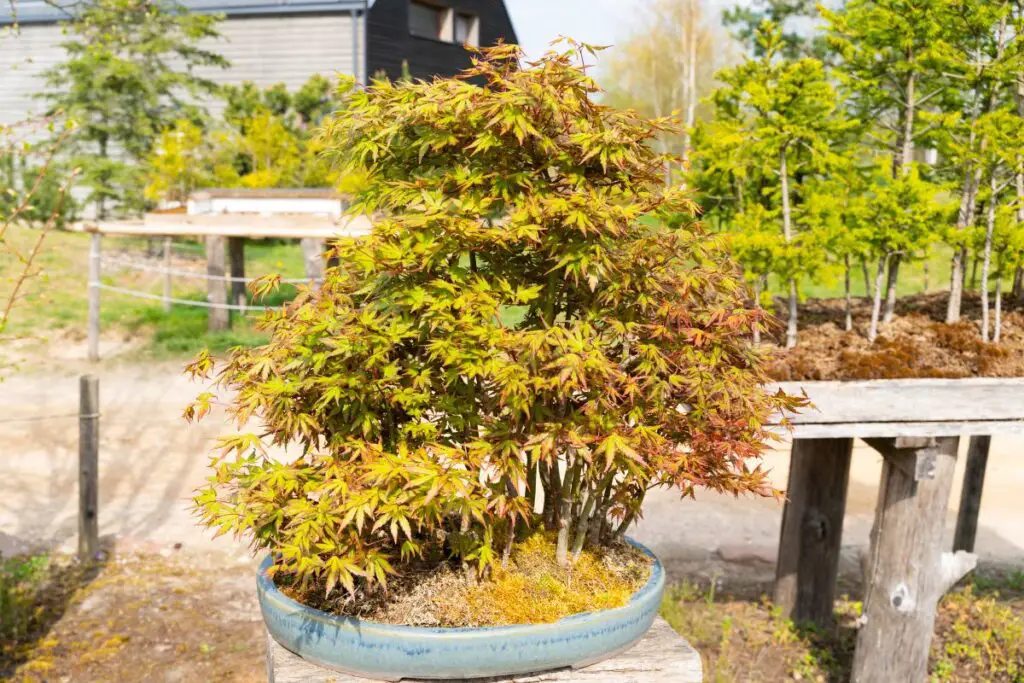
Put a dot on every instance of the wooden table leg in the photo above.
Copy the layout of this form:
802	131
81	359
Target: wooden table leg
812	528
908	571
970	496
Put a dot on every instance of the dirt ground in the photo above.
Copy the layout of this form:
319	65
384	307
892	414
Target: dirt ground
151	460
917	343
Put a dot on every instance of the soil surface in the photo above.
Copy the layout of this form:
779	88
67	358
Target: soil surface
917	343
171	618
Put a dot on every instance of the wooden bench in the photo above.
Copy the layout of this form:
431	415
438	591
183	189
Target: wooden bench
662	656
916	425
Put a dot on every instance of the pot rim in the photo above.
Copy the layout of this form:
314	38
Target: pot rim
266	584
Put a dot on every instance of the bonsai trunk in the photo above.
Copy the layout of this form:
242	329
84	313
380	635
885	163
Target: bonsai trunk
572	472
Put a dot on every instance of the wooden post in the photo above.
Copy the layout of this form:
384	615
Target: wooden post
217	294
236	256
908	572
88	466
970	495
313	255
167	274
94	296
812	529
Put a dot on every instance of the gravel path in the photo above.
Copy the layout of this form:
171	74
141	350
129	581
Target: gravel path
151	460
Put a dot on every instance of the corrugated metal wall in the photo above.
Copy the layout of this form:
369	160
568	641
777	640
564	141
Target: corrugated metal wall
262	49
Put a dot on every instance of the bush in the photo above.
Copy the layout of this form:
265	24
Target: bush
534	316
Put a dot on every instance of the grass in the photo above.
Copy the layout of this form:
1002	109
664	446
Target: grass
56	303
978	635
928	274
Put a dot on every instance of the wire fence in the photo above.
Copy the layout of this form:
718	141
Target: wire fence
169	272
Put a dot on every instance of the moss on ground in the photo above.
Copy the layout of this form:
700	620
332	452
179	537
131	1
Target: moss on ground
978	636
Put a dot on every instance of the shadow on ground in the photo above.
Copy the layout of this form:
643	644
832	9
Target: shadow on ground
36	591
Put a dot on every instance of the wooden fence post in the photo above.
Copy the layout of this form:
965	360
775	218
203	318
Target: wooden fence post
236	257
94	296
88	466
908	571
812	529
313	255
167	274
970	495
219	318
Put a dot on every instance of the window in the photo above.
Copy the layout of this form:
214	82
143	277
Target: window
426	21
467	29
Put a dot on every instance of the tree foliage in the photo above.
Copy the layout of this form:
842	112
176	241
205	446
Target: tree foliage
534	315
130	73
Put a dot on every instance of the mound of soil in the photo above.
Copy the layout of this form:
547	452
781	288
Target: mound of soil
917	343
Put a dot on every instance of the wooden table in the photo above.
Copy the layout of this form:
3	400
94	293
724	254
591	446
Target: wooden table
661	657
916	425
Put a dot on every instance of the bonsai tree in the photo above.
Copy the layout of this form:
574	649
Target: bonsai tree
536	334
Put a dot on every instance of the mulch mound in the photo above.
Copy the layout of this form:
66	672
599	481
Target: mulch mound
917	343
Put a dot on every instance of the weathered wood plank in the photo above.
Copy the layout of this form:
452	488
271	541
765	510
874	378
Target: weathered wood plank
907	572
970	495
236	259
912	400
812	528
661	657
861	430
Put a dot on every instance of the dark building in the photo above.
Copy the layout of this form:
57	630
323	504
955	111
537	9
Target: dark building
282	41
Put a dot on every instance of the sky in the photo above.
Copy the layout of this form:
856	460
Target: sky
600	22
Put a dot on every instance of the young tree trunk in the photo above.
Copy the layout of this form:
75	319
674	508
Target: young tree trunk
890	288
997	333
1018	284
690	72
905	156
927	275
987	262
876	307
757	306
787	233
964	220
974	268
849	294
867	277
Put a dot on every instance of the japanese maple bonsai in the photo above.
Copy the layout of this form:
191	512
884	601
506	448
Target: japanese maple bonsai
536	315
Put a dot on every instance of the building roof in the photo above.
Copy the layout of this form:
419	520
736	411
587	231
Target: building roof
41	12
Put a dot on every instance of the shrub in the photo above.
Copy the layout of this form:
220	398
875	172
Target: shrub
535	316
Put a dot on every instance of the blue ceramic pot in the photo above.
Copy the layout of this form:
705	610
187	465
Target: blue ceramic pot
390	653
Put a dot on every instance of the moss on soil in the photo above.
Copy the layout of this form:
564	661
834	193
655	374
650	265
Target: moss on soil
978	635
917	343
532	589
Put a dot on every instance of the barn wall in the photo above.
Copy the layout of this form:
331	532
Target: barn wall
262	49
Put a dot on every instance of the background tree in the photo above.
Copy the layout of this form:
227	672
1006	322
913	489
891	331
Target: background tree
784	119
889	58
976	67
131	71
795	19
666	65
